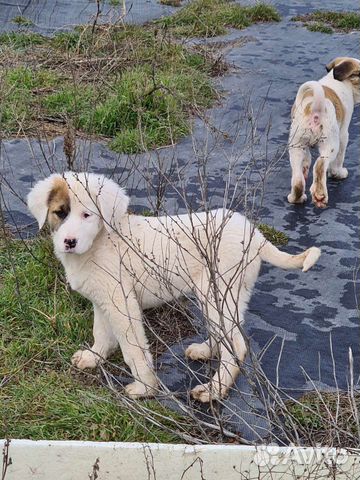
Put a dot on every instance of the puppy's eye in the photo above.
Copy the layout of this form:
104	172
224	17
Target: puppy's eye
86	215
61	214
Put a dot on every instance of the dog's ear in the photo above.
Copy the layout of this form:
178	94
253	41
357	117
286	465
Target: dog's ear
343	68
332	64
112	201
37	199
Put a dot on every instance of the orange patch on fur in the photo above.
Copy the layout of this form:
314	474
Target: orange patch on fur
335	100
298	191
331	95
319	173
58	203
307	109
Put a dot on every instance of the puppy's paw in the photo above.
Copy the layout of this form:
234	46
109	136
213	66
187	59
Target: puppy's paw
294	199
339	173
320	201
206	392
198	351
140	390
84	359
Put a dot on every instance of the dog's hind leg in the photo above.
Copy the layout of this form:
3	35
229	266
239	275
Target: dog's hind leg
306	163
336	169
328	153
227	341
299	159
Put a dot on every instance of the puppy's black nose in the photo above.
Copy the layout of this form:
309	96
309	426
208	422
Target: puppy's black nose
70	243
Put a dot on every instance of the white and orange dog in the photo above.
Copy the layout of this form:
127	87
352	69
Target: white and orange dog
126	263
321	116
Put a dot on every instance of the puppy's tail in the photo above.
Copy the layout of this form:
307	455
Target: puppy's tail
317	106
273	255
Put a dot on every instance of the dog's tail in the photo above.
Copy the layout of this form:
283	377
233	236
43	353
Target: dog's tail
317	107
273	255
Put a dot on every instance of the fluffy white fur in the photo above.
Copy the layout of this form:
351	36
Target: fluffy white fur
127	263
321	117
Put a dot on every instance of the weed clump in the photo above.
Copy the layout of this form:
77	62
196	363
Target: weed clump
274	236
209	18
329	22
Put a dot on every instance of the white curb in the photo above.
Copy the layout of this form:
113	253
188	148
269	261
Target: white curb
74	460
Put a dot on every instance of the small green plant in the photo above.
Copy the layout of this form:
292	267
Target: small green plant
274	236
319	27
209	18
171	3
327	21
23	21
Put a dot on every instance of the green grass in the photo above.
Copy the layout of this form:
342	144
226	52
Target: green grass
146	100
42	323
20	40
274	236
22	21
209	18
315	413
327	21
134	85
18	106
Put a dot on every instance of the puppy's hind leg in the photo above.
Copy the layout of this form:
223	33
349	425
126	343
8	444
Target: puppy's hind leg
299	160
318	189
336	169
306	163
230	345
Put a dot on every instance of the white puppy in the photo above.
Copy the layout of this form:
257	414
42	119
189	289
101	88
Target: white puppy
321	116
126	263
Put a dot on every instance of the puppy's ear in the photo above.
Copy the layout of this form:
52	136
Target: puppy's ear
37	199
113	202
331	65
344	70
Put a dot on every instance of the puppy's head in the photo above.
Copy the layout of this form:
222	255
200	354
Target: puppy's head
347	68
77	206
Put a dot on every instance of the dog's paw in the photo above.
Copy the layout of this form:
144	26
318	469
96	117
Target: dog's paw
205	392
339	173
84	359
320	201
139	390
198	351
201	393
294	199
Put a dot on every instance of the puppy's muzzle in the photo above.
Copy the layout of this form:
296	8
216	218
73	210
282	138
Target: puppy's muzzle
70	243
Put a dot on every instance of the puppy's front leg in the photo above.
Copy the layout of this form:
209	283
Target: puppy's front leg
104	343
125	318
